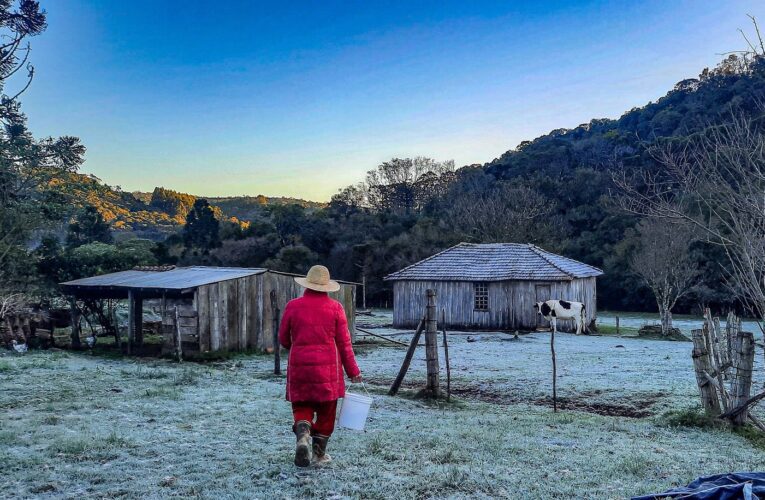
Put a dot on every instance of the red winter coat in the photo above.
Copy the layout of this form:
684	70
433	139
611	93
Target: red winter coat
315	330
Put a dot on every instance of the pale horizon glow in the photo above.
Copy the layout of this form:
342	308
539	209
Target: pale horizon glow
300	101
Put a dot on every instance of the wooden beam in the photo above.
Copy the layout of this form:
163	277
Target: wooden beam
407	359
746	404
381	337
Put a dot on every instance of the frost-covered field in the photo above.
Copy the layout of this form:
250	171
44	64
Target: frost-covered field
80	426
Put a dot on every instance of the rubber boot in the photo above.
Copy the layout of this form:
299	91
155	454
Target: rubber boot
320	455
302	430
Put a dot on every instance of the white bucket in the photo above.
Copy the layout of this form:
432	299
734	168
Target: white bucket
353	413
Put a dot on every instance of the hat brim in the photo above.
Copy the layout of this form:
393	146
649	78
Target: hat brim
331	286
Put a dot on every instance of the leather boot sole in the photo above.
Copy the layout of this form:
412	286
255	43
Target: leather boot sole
303	453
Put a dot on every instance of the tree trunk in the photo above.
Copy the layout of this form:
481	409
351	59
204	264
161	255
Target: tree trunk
666	320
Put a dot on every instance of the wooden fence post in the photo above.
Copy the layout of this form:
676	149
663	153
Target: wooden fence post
742	385
702	365
617	325
407	359
554	371
431	344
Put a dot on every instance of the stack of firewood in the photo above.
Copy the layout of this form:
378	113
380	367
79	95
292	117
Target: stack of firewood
724	361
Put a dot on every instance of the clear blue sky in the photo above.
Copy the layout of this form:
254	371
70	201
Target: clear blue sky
282	98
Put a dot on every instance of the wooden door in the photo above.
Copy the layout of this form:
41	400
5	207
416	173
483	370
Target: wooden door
543	293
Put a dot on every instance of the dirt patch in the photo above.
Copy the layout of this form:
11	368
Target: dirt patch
636	408
639	406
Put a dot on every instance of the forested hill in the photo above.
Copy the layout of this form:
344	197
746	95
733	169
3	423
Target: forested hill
571	169
692	105
157	214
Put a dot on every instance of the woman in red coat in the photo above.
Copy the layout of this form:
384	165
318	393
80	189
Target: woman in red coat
315	330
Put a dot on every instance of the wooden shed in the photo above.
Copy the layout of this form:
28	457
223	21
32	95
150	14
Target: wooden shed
492	286
212	308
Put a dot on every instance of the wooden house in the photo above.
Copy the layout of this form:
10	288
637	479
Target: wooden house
492	286
209	308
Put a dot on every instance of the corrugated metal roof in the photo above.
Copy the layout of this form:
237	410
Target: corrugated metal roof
495	262
176	279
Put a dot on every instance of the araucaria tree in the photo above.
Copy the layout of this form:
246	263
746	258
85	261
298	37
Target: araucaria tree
202	230
28	200
663	262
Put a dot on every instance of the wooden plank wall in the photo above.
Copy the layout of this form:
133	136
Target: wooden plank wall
188	325
228	314
511	303
236	314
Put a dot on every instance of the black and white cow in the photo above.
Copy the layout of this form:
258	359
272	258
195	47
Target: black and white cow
553	310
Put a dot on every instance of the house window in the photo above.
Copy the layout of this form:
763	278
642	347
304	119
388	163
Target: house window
481	291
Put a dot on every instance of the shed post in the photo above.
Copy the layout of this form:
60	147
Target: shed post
277	347
131	324
75	314
431	344
135	320
117	338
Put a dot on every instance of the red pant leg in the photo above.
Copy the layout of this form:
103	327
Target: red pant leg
302	411
325	417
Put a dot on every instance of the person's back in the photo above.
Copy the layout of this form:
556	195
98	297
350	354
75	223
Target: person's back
315	330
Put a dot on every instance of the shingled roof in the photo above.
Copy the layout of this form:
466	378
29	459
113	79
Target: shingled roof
495	262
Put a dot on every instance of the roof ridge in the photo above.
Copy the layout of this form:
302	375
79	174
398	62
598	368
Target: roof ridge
428	258
569	259
540	252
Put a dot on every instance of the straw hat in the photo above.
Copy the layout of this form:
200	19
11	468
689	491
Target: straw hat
318	279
